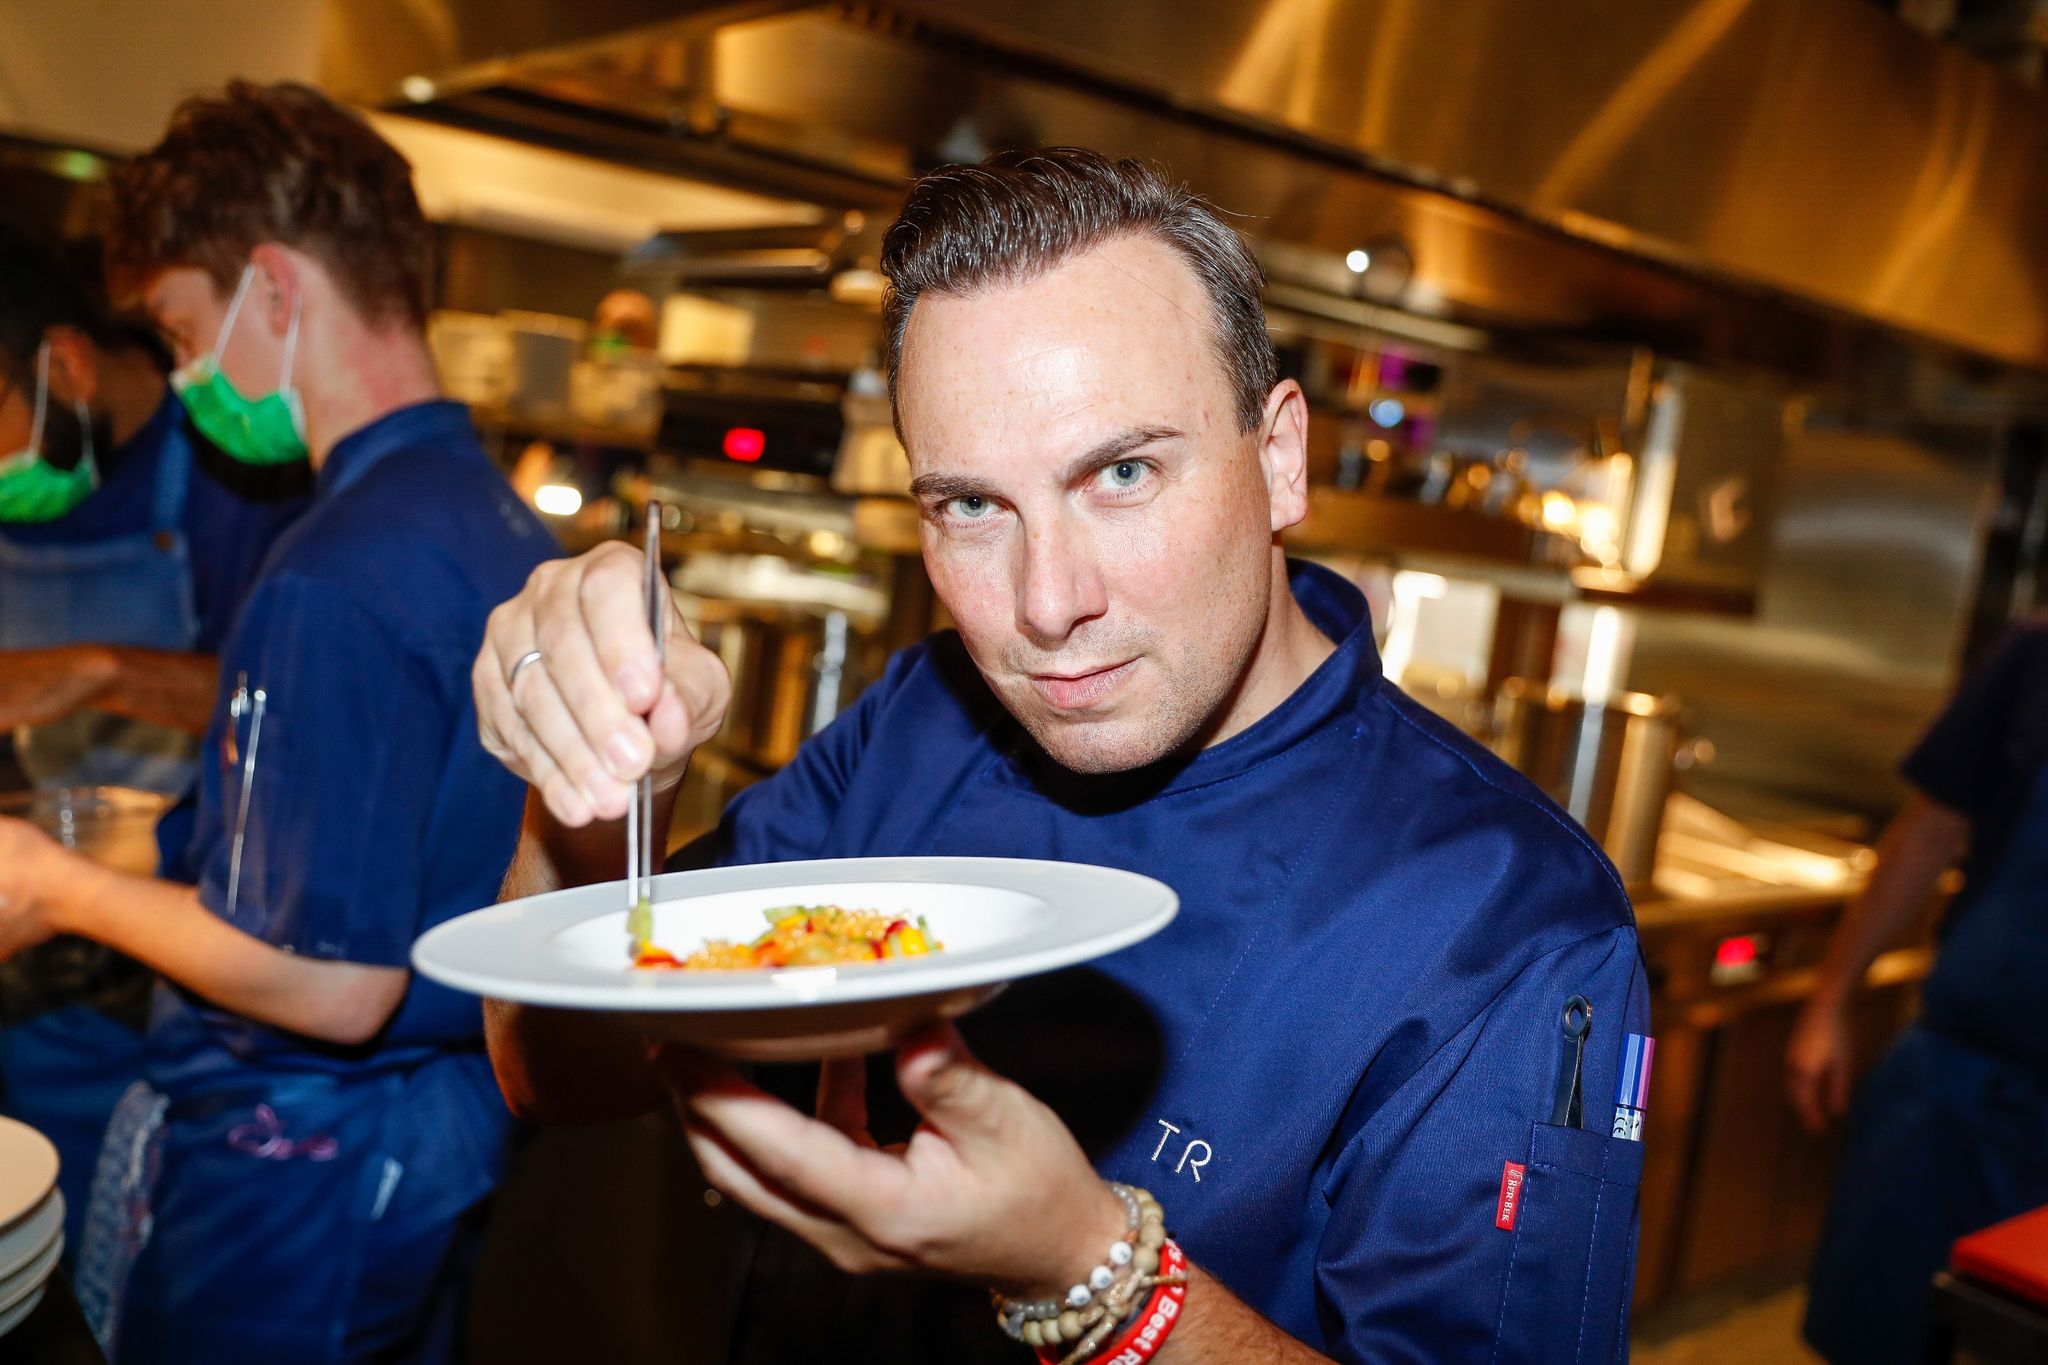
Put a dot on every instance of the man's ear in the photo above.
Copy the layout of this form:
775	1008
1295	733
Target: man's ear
1283	454
74	366
278	287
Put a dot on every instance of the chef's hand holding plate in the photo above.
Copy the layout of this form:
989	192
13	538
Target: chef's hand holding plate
598	707
992	1188
31	867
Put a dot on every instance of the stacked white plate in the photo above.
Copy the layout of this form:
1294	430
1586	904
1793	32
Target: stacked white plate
31	1220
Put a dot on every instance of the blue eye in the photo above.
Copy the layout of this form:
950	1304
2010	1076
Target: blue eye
972	507
1124	474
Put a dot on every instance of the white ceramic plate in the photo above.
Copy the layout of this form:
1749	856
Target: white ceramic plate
15	1316
26	1281
28	1170
999	918
32	1236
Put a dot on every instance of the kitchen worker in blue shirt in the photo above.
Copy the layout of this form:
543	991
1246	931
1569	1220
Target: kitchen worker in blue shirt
1949	1133
298	1177
126	544
1334	1070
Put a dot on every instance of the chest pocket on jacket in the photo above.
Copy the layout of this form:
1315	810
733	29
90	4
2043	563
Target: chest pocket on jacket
1565	1295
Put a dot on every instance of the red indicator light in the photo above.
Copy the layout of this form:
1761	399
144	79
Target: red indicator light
1739	951
744	444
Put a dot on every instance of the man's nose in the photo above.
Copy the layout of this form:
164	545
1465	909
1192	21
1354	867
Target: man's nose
1059	586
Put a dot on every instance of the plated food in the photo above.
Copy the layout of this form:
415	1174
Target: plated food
998	919
804	936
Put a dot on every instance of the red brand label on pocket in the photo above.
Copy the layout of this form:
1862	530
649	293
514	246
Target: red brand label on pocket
1511	1174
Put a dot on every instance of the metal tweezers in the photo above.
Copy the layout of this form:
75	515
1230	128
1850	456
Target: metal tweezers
640	831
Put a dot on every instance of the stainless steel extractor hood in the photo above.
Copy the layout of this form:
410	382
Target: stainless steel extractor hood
1761	177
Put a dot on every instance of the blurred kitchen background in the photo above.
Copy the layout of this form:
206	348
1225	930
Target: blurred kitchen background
1679	372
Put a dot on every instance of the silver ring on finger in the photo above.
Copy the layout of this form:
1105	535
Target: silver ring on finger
531	656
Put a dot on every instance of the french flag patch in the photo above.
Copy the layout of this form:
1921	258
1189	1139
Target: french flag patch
1512	1174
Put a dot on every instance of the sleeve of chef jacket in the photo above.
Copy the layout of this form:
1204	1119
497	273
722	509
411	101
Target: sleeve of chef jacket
1463	1225
1987	732
351	763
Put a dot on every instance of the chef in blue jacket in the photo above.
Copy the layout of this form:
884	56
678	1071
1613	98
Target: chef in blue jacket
1337	1069
1949	1132
126	543
299	1177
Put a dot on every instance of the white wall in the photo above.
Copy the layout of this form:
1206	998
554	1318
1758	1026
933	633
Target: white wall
106	73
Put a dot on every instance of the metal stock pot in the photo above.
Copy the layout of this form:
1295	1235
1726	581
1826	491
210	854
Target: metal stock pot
1610	764
794	667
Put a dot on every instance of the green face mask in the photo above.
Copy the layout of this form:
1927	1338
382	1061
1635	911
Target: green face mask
33	489
266	430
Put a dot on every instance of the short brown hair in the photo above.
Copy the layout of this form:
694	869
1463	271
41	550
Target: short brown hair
1018	214
274	163
41	288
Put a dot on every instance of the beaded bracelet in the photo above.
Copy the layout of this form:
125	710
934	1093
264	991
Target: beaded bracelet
1048	1322
1091	1311
1146	1330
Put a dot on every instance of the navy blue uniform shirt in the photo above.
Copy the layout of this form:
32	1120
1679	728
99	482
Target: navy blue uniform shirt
232	512
1986	757
374	812
1980	756
1322	1068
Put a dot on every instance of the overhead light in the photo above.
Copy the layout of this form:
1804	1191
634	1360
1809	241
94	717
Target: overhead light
418	89
1387	412
558	499
1384	267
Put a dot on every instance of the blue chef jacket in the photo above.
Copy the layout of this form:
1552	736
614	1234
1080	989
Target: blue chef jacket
158	557
1323	1067
230	513
296	1173
1949	1132
1980	756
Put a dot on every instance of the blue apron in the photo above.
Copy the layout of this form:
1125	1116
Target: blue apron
290	1200
121	590
1950	1130
62	1070
313	1217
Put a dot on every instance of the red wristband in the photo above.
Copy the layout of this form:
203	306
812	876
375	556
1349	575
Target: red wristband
1150	1326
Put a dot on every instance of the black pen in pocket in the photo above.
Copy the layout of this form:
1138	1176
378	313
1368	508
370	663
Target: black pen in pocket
1567	1102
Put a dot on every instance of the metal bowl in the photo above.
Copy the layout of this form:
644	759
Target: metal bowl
115	826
